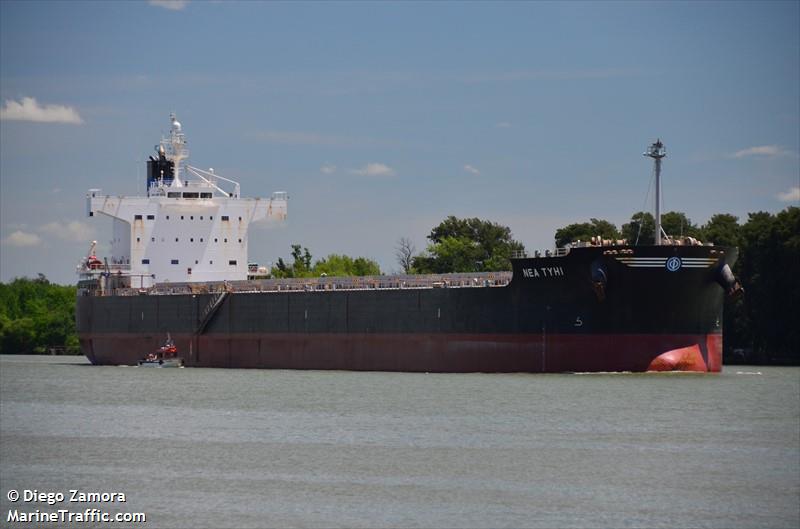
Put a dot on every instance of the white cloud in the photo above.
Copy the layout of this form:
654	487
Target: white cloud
474	170
29	110
327	169
74	231
761	150
793	195
21	238
374	169
172	5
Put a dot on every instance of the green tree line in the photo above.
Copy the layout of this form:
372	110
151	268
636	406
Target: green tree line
36	314
334	265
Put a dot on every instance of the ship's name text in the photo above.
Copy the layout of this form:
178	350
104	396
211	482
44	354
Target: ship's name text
543	271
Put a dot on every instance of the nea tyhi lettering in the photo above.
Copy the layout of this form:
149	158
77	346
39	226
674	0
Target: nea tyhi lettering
543	271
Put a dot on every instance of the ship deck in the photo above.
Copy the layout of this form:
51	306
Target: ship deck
321	284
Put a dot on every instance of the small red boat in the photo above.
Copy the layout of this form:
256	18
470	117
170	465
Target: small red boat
164	356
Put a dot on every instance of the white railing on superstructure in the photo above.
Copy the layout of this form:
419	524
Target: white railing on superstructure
210	179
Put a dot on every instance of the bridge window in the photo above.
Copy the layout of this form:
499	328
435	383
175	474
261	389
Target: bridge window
191	239
205	195
232	262
176	239
145	261
137	217
181	217
173	195
190	195
174	261
224	217
151	217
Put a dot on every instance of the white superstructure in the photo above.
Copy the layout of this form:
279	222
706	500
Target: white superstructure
188	228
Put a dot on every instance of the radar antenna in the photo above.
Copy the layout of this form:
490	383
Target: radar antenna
657	151
176	148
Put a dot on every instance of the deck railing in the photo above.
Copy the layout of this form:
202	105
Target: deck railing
321	284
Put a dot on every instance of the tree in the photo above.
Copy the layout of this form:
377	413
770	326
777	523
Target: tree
451	254
404	253
584	231
640	230
301	265
769	260
36	314
281	270
302	261
722	230
344	266
333	265
365	267
467	245
676	224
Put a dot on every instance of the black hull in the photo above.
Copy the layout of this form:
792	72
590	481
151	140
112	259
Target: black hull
595	309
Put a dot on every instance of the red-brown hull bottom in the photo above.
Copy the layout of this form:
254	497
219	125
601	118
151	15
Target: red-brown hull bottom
445	353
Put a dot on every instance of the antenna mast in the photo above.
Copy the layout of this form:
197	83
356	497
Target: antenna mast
657	151
178	151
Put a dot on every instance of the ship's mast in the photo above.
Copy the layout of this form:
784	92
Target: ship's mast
177	148
657	151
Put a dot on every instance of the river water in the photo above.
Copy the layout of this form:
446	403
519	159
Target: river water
259	448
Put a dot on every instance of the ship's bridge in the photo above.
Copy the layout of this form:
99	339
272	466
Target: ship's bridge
191	226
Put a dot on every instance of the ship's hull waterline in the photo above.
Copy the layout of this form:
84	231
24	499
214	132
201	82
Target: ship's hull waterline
595	309
430	353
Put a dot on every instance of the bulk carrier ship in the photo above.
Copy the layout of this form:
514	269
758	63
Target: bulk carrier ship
178	267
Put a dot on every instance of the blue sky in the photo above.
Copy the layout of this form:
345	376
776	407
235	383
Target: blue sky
380	119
